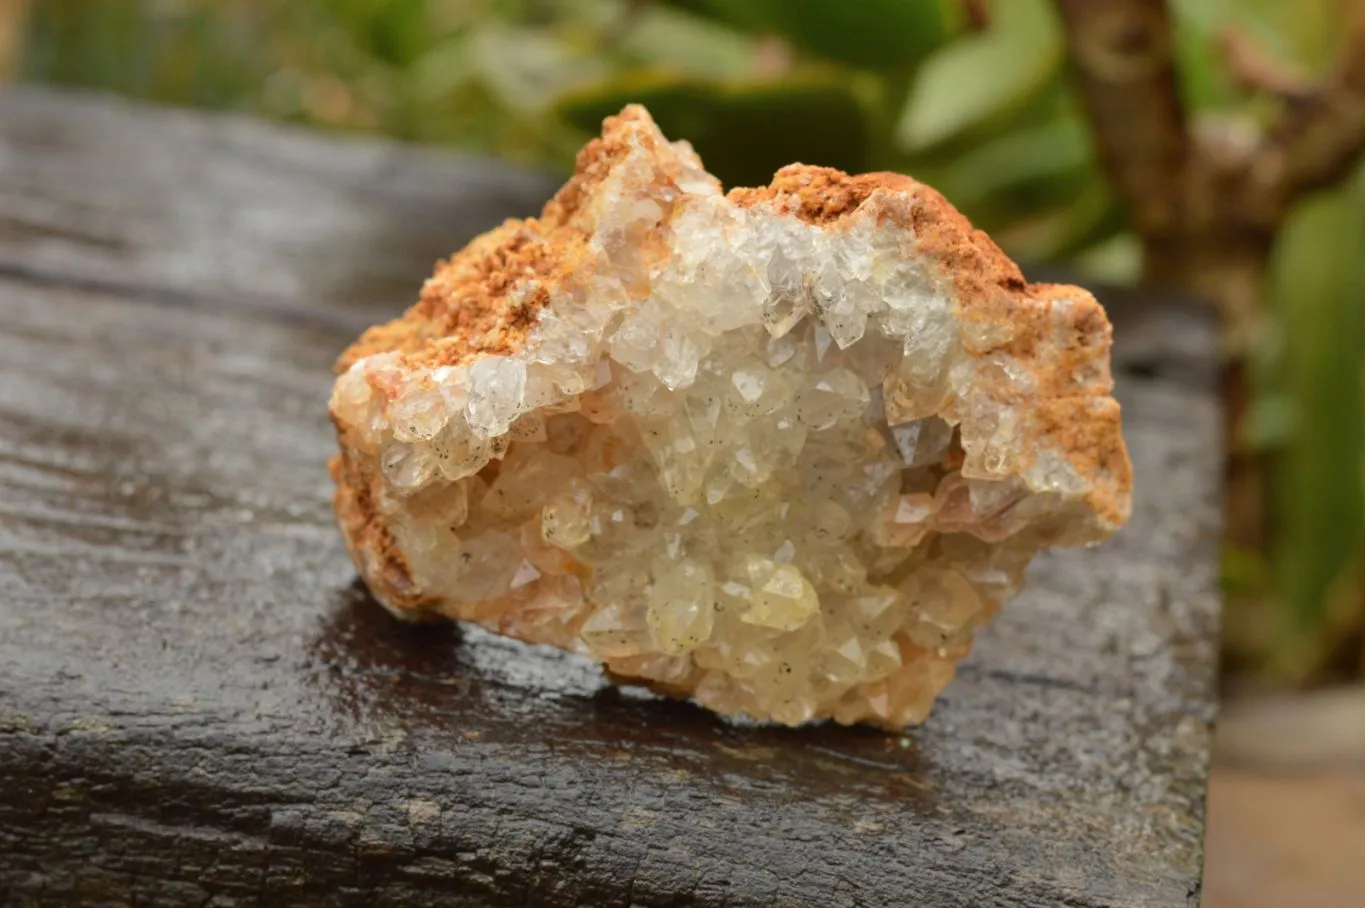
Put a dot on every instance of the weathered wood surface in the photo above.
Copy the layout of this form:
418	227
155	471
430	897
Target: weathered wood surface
200	706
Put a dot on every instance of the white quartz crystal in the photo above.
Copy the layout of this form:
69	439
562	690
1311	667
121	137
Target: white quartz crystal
777	459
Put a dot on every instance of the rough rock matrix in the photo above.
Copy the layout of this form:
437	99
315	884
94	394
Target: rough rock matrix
780	450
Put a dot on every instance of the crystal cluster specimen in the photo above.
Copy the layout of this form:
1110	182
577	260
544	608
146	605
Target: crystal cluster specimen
779	450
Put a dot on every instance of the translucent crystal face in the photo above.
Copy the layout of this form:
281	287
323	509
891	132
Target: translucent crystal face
739	456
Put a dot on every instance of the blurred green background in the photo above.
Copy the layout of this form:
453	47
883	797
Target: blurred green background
973	98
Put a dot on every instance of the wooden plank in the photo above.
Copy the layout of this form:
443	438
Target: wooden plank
199	705
233	211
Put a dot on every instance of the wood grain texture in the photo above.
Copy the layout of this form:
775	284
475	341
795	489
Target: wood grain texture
199	705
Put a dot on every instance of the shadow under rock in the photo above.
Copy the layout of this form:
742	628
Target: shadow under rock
439	682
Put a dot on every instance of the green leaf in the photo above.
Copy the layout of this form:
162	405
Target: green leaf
394	32
983	76
1204	78
669	38
1091	217
1245	572
447	67
744	130
1270	422
1116	260
1319	283
1056	150
870	33
526	69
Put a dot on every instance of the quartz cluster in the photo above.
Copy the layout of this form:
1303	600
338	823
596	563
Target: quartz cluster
779	450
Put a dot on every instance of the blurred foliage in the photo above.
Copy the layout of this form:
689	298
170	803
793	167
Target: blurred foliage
889	34
742	129
1319	285
985	114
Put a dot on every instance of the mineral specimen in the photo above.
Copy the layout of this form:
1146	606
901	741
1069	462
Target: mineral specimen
779	450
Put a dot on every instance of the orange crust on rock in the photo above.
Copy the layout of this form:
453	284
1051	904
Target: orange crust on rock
988	288
367	537
485	298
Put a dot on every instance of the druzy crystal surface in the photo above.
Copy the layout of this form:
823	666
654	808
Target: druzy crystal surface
779	450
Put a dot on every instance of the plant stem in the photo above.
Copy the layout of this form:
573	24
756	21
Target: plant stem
1121	54
13	16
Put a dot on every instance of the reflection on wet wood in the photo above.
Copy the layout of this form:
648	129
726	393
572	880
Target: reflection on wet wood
199	705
